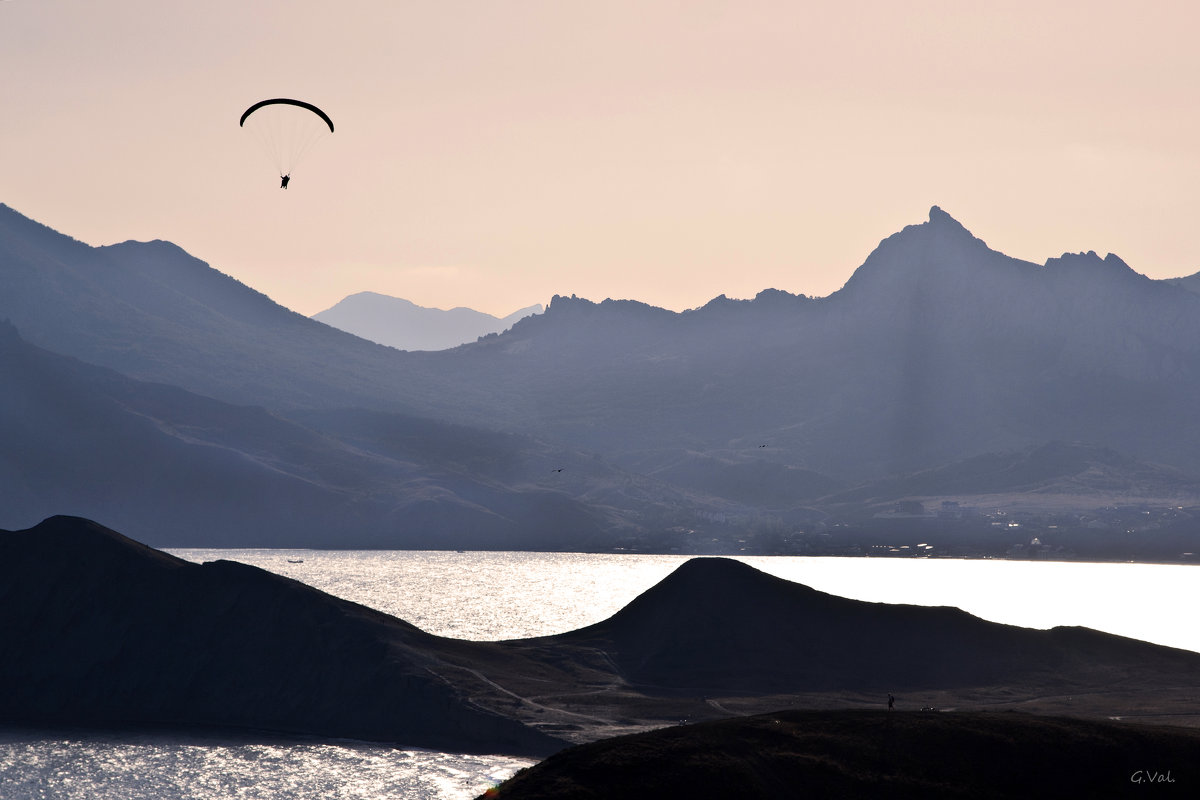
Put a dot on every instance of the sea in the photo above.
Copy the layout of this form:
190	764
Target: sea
500	595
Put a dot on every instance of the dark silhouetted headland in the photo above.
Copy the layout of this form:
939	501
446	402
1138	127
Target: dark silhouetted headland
99	630
849	755
718	626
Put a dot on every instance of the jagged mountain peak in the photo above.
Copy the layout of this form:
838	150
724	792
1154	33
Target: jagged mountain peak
940	230
578	307
944	227
941	251
767	299
940	218
1090	263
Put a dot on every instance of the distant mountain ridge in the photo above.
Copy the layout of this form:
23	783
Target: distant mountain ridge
402	324
1056	467
153	312
937	350
179	469
1189	282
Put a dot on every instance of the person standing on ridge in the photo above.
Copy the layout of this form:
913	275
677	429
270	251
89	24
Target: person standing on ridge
891	702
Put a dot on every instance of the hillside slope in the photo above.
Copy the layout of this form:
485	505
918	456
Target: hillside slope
98	630
178	469
848	754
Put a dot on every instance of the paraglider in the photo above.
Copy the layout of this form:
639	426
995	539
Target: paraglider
287	130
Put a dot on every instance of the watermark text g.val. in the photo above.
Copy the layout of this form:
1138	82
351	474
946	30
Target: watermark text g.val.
1151	776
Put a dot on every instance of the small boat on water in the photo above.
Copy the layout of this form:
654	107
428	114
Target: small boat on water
295	560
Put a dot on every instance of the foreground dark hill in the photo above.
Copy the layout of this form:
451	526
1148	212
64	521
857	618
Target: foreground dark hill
876	754
98	630
720	626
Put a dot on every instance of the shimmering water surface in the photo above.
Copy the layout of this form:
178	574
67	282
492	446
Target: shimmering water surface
490	596
144	767
515	595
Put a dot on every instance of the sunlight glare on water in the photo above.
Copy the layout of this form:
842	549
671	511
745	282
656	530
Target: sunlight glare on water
1150	602
504	595
473	595
90	766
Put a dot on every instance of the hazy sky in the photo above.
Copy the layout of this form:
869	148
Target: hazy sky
492	154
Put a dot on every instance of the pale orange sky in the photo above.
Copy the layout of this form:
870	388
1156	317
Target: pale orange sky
492	154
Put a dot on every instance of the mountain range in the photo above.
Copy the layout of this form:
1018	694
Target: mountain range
83	439
629	423
405	325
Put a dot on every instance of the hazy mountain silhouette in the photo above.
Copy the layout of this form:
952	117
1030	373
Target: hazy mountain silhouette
938	349
153	312
179	469
1055	468
1190	282
99	630
404	325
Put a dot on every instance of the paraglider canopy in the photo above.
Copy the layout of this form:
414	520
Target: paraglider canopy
285	101
287	129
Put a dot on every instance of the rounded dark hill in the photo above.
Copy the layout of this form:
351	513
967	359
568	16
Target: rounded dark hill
99	630
876	754
718	625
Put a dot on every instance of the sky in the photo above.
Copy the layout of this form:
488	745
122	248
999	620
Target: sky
492	154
